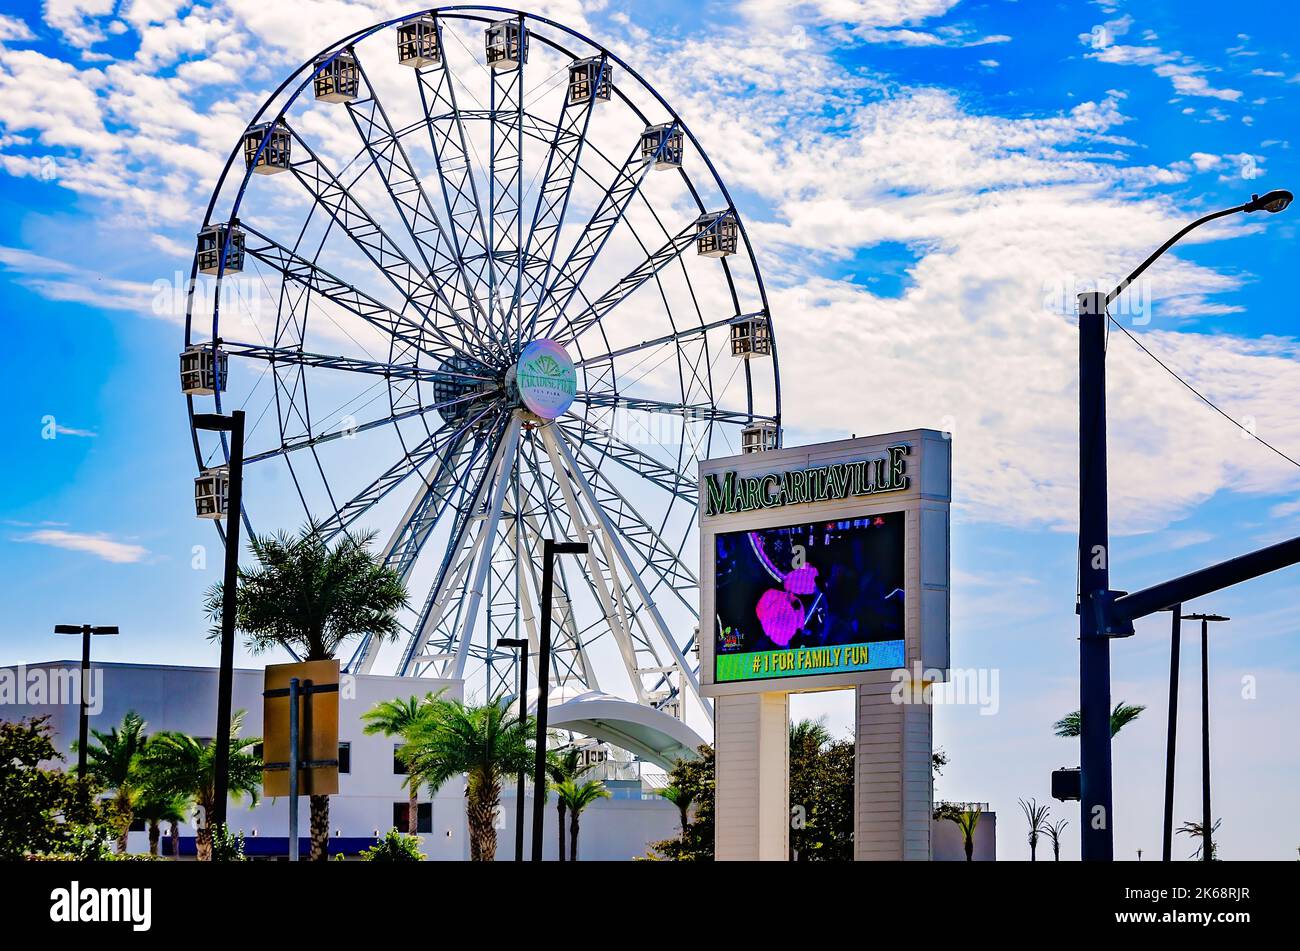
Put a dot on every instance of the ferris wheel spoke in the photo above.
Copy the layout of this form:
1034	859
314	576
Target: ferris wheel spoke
394	476
691	411
442	263
687	333
584	431
562	161
506	186
455	172
351	430
412	335
622	289
286	356
591	241
374	242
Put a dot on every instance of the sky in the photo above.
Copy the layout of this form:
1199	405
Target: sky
926	184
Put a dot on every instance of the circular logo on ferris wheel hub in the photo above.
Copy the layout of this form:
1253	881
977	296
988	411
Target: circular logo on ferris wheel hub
546	378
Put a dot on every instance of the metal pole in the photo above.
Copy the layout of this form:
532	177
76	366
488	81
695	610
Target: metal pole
293	769
523	718
1175	643
229	608
83	726
1207	848
543	692
1097	821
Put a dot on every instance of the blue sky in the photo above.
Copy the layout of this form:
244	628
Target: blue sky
925	181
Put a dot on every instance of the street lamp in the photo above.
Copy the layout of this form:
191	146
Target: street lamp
87	631
1206	820
1105	613
232	509
521	645
550	548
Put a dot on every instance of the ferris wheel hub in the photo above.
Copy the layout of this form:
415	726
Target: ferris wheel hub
543	379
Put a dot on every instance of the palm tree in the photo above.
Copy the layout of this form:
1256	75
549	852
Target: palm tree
1120	717
186	766
563	766
809	734
155	808
682	799
965	819
485	743
113	759
311	597
397	718
578	797
1036	816
1053	832
1197	831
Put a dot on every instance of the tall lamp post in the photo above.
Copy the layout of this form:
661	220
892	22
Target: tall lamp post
550	548
1105	613
521	645
1207	822
234	425
87	631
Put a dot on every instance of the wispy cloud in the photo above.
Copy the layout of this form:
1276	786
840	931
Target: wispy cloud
98	544
1186	74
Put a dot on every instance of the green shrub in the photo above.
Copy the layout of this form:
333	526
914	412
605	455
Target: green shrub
227	847
394	847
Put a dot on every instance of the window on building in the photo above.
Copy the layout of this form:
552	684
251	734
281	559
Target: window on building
345	757
399	764
402	814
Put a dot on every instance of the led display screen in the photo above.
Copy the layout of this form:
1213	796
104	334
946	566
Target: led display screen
816	598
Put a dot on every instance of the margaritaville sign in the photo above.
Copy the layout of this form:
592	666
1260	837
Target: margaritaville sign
730	492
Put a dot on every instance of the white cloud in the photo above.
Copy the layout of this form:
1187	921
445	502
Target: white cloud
77	20
1186	74
99	544
12	30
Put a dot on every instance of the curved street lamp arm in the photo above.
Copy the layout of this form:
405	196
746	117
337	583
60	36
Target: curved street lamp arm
1119	289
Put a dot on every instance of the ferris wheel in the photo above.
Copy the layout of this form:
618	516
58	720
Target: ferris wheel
475	285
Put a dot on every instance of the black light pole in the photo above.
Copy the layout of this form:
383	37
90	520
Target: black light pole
550	549
233	424
1175	646
83	727
1100	617
1206	820
521	645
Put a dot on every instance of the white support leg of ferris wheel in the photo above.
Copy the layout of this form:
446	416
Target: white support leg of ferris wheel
555	443
454	577
622	637
509	449
446	475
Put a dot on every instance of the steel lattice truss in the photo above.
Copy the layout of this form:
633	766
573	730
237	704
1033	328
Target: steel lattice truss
438	215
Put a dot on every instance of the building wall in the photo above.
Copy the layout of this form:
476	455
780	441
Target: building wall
611	830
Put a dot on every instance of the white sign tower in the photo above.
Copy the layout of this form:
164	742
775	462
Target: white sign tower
826	567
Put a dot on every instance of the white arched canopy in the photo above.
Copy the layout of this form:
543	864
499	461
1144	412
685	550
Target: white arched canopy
654	736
